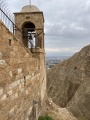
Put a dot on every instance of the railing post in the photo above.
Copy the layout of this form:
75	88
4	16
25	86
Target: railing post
13	29
35	110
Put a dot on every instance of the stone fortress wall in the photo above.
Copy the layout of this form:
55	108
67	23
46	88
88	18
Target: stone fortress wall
22	79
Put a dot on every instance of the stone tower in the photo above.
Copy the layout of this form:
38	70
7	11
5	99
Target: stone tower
30	21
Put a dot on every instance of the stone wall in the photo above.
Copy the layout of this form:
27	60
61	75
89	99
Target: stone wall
22	75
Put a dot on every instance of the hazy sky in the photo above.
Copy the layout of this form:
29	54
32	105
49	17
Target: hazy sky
67	23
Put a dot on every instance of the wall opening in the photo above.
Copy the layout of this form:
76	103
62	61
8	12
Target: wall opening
28	36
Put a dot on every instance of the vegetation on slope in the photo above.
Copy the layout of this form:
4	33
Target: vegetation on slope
45	118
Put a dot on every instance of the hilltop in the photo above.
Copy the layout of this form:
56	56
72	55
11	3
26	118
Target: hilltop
68	84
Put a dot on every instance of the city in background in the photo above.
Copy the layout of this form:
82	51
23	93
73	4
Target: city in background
53	60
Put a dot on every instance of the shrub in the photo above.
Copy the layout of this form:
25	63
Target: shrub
45	118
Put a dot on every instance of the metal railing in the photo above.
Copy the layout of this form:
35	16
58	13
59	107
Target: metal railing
8	19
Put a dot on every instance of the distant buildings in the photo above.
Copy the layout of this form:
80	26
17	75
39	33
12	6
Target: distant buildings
51	61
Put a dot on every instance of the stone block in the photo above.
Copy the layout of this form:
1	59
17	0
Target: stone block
16	95
2	62
28	77
32	78
10	73
0	55
28	81
22	90
1	91
38	78
15	48
20	86
12	97
26	92
4	97
32	74
19	70
26	118
22	80
11	113
10	92
23	84
14	84
27	55
12	53
29	110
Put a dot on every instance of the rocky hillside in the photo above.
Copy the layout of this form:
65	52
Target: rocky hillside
56	112
68	84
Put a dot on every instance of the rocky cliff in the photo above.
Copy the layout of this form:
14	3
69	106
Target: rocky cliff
68	84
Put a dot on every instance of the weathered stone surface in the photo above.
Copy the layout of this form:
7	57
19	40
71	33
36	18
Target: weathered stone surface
3	98
68	83
11	113
2	62
1	91
80	103
0	55
20	78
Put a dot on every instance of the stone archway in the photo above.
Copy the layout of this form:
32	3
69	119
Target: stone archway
28	30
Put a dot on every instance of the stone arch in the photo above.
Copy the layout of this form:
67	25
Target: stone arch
29	20
28	24
28	33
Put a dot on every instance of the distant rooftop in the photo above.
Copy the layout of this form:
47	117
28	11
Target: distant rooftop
30	8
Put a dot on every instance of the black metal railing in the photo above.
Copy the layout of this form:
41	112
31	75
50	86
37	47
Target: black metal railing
6	17
8	20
